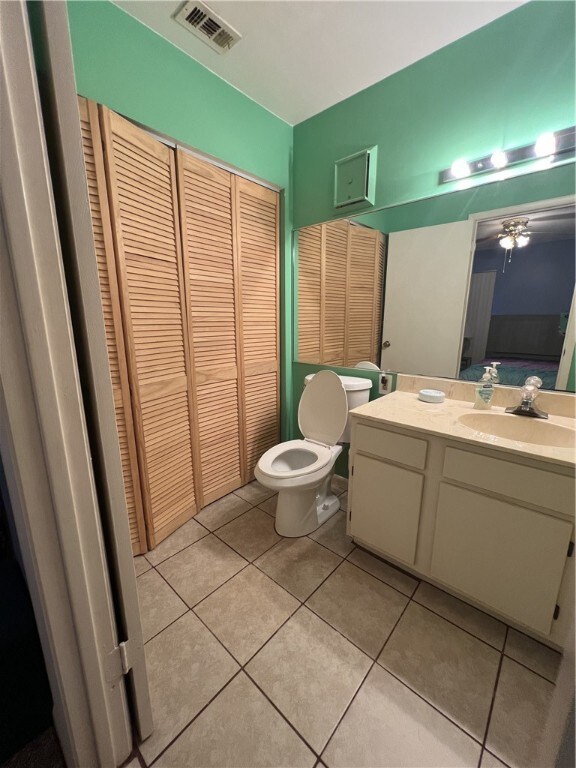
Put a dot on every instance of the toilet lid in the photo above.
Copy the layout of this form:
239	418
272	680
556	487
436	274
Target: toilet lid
323	409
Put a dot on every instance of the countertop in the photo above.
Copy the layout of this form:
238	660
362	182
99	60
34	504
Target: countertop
403	409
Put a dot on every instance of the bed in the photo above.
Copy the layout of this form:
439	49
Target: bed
515	372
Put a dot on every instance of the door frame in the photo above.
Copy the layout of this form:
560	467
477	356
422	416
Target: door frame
45	444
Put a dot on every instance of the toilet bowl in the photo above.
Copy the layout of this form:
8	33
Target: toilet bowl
301	470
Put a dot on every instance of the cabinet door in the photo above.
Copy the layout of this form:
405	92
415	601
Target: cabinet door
205	197
335	275
385	503
101	229
142	189
364	289
508	557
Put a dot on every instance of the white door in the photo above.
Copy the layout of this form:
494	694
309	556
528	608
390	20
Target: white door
427	278
568	348
479	314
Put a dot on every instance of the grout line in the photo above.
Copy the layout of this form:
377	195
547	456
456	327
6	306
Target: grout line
390	565
168	625
189	723
458	626
490	711
521	664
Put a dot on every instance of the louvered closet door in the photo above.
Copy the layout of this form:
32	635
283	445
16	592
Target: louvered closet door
205	195
142	189
335	271
364	257
101	228
256	213
310	269
378	299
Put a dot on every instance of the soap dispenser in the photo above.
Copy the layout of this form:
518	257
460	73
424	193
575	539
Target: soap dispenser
494	373
484	390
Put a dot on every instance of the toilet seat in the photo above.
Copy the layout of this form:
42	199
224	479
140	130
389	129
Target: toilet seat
277	460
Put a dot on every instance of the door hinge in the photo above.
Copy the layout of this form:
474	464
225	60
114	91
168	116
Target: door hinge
118	661
570	549
556	612
350	514
352	470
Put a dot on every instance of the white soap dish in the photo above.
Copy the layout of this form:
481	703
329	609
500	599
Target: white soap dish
431	395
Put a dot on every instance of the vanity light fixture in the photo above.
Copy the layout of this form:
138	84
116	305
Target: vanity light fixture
548	150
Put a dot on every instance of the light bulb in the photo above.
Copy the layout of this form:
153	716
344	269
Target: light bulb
460	168
522	240
499	159
507	242
545	145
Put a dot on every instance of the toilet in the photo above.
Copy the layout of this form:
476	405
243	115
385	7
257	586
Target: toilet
301	470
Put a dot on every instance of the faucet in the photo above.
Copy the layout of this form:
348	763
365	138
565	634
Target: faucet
528	396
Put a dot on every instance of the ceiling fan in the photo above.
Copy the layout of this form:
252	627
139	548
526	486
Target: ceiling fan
514	232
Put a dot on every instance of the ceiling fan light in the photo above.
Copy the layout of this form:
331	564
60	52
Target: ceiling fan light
460	168
522	240
545	145
507	241
499	159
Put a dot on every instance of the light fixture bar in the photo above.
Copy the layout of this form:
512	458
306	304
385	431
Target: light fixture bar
558	147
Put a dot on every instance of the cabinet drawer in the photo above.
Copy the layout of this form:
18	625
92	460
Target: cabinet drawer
508	557
527	484
390	445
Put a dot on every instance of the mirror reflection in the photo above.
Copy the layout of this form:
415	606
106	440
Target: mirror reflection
444	300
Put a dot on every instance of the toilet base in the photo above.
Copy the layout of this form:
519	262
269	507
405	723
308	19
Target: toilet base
301	511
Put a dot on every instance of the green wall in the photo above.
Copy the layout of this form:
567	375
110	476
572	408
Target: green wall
124	65
500	86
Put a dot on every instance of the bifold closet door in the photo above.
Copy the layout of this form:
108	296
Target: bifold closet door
335	259
256	211
141	180
101	228
310	293
364	294
205	197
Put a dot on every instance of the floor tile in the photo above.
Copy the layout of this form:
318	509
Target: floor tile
489	761
532	654
466	616
333	535
134	763
344	501
269	505
246	611
339	485
141	565
387	573
519	715
311	673
201	568
254	493
180	539
388	726
186	667
298	565
362	608
222	511
239	728
159	604
251	534
447	666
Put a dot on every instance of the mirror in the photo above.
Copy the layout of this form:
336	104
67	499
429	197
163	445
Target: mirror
440	300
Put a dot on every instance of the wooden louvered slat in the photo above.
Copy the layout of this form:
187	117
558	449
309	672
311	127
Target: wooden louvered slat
101	227
205	198
142	187
256	222
378	299
310	284
363	278
334	294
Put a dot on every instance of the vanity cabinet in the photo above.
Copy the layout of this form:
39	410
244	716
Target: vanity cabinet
492	528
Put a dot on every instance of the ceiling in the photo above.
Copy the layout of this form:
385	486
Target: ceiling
544	226
299	57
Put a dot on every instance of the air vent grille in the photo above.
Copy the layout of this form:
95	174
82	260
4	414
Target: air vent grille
202	22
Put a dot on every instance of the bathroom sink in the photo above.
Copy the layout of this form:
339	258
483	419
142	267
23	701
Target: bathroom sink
521	428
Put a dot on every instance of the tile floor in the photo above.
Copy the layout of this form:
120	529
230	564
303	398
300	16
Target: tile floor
265	651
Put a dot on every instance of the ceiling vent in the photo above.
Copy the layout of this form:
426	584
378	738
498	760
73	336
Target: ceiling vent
208	26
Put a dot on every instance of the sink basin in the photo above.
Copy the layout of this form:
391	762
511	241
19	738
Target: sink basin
521	428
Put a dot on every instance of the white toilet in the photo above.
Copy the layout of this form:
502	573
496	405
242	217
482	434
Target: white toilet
301	470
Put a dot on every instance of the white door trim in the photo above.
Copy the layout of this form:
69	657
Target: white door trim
34	259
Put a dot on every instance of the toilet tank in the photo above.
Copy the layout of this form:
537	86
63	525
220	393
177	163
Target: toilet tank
357	393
